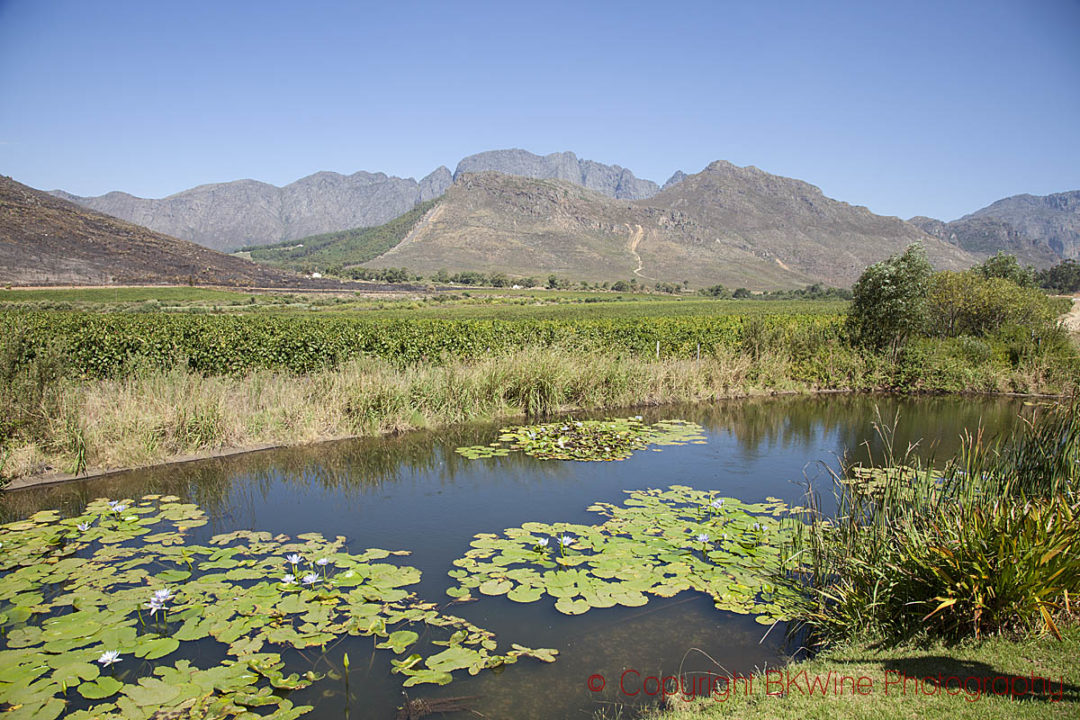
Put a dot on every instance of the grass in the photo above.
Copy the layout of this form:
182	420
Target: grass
149	416
994	657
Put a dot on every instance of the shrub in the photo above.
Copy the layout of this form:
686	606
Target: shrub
889	300
969	303
1006	267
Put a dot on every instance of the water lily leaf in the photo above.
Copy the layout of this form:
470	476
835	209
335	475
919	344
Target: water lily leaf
151	691
525	594
436	677
495	587
157	648
399	640
571	607
100	688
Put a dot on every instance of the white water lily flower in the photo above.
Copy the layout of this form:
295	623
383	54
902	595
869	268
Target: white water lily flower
288	579
702	538
310	579
542	542
322	562
566	540
718	503
163	595
294	558
83	526
109	657
154	605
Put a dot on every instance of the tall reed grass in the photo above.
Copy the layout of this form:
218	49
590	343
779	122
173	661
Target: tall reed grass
987	541
151	415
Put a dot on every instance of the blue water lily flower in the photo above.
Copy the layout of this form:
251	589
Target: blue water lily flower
294	558
718	503
154	605
163	595
83	526
109	657
322	562
310	579
702	538
566	540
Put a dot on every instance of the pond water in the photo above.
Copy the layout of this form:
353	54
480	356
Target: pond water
413	492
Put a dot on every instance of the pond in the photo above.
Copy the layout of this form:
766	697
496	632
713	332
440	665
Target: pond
414	492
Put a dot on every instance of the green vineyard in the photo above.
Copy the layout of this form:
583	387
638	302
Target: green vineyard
105	345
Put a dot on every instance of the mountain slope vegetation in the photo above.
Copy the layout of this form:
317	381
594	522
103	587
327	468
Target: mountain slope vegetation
345	247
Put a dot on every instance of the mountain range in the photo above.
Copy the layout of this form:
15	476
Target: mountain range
227	216
524	214
738	226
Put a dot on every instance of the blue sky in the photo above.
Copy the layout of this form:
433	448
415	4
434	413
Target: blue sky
934	108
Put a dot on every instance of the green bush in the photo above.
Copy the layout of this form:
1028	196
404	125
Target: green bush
889	300
968	303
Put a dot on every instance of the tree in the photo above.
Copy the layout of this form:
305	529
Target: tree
1006	267
553	281
1063	277
716	291
889	300
740	294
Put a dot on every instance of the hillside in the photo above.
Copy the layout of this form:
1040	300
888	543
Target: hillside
345	247
226	216
1039	230
730	225
48	241
987	236
1051	219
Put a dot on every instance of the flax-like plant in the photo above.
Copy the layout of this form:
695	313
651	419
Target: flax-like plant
988	543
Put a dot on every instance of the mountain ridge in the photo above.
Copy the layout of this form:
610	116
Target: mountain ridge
726	224
1040	230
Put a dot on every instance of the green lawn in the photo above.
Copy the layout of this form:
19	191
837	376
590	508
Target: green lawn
879	673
